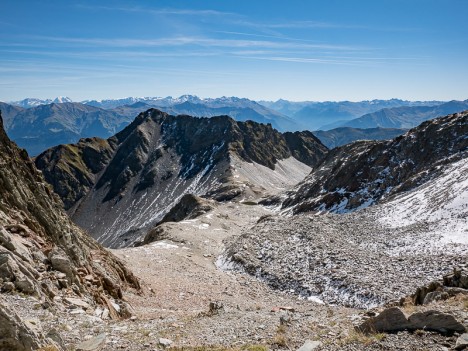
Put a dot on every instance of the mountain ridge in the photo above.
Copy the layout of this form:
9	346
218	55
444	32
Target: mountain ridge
212	157
357	175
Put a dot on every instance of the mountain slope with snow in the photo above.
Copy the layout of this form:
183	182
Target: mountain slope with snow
357	175
441	202
399	220
118	188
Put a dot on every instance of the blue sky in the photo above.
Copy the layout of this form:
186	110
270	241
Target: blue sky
296	50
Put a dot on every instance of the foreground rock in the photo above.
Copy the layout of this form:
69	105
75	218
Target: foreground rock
394	319
18	335
462	342
42	253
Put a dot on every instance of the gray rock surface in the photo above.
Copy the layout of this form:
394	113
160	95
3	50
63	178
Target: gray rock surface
19	335
394	319
462	342
92	344
435	321
309	345
390	320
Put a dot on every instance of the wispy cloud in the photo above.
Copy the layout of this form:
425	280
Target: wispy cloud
337	60
196	41
162	11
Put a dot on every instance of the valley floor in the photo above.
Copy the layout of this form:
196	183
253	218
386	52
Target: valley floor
180	279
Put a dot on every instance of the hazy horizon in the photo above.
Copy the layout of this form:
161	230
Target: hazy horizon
215	97
331	50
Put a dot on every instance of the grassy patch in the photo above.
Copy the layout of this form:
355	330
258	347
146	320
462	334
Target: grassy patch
356	337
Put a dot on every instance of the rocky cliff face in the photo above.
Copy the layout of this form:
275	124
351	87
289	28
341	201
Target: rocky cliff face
119	187
357	175
42	253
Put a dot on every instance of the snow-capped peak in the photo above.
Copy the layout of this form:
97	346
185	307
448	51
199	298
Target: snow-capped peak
62	99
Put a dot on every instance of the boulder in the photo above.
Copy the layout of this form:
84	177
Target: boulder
77	302
61	262
390	320
435	321
393	320
435	296
164	342
458	279
462	342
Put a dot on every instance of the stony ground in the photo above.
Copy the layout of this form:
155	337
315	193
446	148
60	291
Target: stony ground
181	278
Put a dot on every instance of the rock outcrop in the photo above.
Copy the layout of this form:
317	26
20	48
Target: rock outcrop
394	319
119	188
42	253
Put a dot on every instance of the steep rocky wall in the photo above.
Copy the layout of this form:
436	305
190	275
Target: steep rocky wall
42	252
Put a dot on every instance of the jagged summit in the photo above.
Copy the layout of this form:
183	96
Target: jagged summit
357	175
119	187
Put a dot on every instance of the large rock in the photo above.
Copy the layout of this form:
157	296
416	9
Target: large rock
462	342
458	279
17	335
390	320
435	321
393	320
189	206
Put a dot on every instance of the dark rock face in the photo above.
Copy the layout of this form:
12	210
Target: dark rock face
189	207
145	169
305	147
357	175
36	236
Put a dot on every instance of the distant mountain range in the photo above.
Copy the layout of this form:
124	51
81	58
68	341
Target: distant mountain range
345	135
37	124
406	116
331	114
43	126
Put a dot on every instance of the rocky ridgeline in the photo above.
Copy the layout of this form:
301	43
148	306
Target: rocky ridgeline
120	187
44	255
366	172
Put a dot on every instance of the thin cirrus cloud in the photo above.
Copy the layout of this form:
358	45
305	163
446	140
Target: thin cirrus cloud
197	41
163	11
348	61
